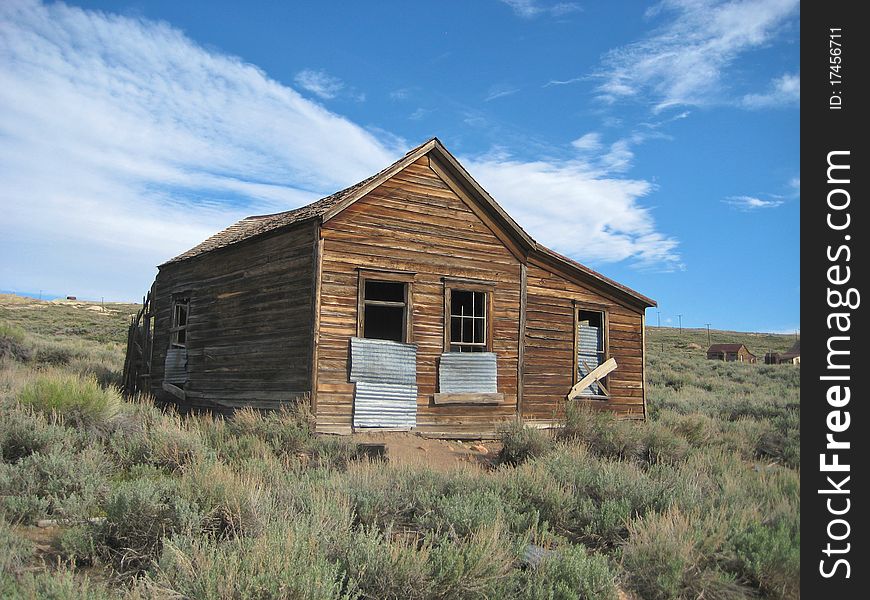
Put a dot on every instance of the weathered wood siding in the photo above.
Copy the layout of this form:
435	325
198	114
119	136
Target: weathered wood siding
415	222
250	322
549	360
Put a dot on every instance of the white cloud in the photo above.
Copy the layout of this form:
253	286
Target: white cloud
682	63
750	203
319	83
572	208
784	91
123	143
589	142
528	9
795	184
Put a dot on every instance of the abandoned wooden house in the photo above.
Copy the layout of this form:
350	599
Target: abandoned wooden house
730	353
410	300
792	357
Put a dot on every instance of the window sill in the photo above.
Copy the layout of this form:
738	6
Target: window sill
470	398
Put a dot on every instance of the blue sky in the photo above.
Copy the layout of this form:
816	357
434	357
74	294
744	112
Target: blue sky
657	143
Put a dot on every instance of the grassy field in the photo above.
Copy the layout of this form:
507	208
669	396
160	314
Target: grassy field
700	501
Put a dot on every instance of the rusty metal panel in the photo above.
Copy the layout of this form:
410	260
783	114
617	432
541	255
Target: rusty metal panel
384	405
383	361
468	372
175	366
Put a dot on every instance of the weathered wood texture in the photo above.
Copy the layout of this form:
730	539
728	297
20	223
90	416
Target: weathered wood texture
415	222
250	322
549	362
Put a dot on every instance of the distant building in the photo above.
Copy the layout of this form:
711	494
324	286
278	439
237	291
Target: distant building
730	353
792	357
71	298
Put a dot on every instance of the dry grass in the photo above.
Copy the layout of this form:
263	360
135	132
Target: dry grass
701	501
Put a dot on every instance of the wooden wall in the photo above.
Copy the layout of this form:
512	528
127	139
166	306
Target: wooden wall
250	322
415	222
549	351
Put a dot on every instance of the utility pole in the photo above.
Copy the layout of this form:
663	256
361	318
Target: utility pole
708	333
680	317
659	313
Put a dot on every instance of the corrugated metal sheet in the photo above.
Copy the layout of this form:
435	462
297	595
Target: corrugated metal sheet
382	361
589	338
384	405
175	366
385	373
467	372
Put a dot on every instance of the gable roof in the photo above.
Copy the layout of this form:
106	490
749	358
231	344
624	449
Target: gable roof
726	348
443	163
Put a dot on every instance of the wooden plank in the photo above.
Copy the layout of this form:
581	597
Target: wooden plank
476	398
521	340
594	375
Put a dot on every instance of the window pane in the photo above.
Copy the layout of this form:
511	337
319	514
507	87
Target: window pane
384	322
469	304
455	329
385	291
479	327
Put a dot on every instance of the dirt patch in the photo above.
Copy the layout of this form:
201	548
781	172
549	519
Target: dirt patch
441	455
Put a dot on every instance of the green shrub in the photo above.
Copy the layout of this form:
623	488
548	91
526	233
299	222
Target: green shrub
78	401
13	343
61	484
62	583
569	573
140	515
387	565
769	554
474	567
23	433
660	444
16	551
601	431
285	562
520	443
673	555
231	505
172	445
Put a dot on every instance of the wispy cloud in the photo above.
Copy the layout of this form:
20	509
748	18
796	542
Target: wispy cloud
500	91
553	82
682	63
529	9
751	203
783	91
588	142
573	208
123	143
325	86
319	83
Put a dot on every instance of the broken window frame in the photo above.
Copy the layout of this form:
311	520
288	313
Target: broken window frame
179	327
386	276
603	353
451	285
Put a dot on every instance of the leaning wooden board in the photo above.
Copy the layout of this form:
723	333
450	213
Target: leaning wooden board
594	375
